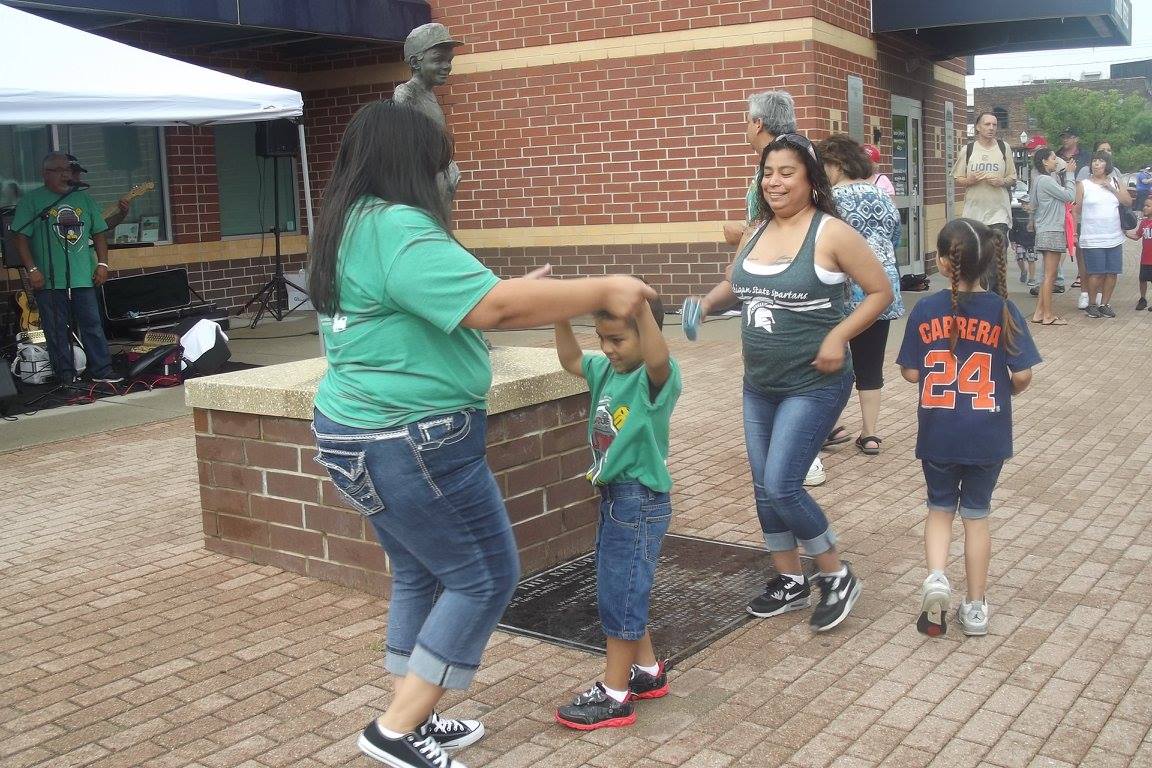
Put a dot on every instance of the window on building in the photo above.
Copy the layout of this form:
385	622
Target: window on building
246	184
123	160
22	150
1001	117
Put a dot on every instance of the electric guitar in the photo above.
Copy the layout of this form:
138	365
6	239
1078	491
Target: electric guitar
135	192
29	319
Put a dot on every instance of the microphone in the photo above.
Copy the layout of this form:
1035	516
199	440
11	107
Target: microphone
73	184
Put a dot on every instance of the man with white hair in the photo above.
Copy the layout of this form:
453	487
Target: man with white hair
770	114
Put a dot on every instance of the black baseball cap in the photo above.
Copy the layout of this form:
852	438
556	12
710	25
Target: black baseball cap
1069	132
75	163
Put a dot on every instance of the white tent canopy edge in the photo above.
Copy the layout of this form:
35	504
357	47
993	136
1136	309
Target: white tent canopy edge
93	80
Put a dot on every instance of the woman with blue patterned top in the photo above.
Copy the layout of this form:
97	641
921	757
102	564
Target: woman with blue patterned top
869	211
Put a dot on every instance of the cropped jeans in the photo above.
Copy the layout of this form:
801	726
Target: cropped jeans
436	509
783	435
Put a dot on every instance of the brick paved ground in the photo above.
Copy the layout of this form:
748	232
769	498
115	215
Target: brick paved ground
124	643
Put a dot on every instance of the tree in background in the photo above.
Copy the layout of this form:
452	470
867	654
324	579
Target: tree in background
1124	119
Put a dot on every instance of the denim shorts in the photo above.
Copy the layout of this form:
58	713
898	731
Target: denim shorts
1104	261
965	486
633	521
427	492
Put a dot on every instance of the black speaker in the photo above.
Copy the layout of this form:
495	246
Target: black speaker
211	359
8	390
277	138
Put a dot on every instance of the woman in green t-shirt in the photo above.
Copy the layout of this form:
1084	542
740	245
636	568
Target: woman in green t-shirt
400	420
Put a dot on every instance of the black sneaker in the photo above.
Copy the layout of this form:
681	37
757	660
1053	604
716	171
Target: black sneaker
781	595
642	685
1058	288
409	751
1107	311
1142	305
596	709
1034	290
1093	311
837	596
451	734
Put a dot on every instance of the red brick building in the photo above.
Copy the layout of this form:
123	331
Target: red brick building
598	135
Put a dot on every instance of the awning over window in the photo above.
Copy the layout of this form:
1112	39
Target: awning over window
299	27
971	28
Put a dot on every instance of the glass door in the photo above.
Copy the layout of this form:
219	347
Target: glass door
908	179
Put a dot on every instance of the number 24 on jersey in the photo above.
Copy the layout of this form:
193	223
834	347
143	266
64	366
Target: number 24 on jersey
945	378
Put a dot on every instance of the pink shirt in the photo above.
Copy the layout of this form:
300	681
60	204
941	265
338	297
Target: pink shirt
885	184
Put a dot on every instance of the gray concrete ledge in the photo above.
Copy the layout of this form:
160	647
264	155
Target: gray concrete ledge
521	376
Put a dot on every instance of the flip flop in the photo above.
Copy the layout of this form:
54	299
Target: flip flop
836	437
1056	321
692	317
868	450
1037	322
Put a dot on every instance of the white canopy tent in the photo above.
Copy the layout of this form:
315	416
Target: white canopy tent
61	75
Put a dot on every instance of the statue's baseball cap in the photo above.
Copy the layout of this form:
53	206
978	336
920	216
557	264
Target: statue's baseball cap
427	36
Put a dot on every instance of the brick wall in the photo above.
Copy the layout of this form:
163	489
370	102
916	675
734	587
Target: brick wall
265	500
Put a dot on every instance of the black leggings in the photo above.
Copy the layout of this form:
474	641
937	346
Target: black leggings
868	355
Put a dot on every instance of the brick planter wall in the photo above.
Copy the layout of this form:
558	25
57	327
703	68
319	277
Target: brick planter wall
265	500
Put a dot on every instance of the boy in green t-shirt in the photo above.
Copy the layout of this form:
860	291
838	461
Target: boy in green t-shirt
633	387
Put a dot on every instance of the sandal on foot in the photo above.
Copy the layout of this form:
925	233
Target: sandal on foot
1056	321
836	437
1036	321
869	450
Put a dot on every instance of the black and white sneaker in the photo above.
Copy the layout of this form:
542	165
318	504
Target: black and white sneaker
837	596
781	595
108	378
451	734
409	751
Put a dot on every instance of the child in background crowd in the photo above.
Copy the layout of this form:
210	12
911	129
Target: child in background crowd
970	351
1143	233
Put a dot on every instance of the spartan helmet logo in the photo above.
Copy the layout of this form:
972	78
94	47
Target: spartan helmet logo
760	314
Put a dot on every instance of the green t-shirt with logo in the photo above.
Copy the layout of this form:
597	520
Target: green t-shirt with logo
60	247
627	428
396	350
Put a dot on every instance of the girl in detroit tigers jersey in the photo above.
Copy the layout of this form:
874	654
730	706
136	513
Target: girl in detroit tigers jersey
970	351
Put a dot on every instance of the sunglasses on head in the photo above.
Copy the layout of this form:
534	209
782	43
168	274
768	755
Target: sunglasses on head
796	141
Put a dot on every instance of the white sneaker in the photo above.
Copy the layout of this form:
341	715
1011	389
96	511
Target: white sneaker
935	597
1082	302
816	474
973	618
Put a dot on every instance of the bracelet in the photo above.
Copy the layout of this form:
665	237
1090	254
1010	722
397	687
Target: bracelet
103	264
33	269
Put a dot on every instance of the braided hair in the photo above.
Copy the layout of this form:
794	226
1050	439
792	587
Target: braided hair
970	247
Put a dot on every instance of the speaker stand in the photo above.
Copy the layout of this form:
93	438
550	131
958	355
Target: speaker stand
273	296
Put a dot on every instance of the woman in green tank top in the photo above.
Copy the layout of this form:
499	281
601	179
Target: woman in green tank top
789	276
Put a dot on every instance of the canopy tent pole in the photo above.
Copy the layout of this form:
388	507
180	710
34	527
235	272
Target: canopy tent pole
307	181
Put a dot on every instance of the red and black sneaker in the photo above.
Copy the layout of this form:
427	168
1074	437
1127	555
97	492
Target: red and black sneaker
596	709
642	685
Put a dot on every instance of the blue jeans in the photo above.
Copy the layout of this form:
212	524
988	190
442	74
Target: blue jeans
428	492
967	487
85	321
633	521
783	435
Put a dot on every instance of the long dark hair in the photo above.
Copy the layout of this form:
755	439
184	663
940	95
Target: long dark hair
971	247
391	152
846	153
817	178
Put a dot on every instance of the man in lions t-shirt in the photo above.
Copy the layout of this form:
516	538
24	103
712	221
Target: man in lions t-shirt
986	172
